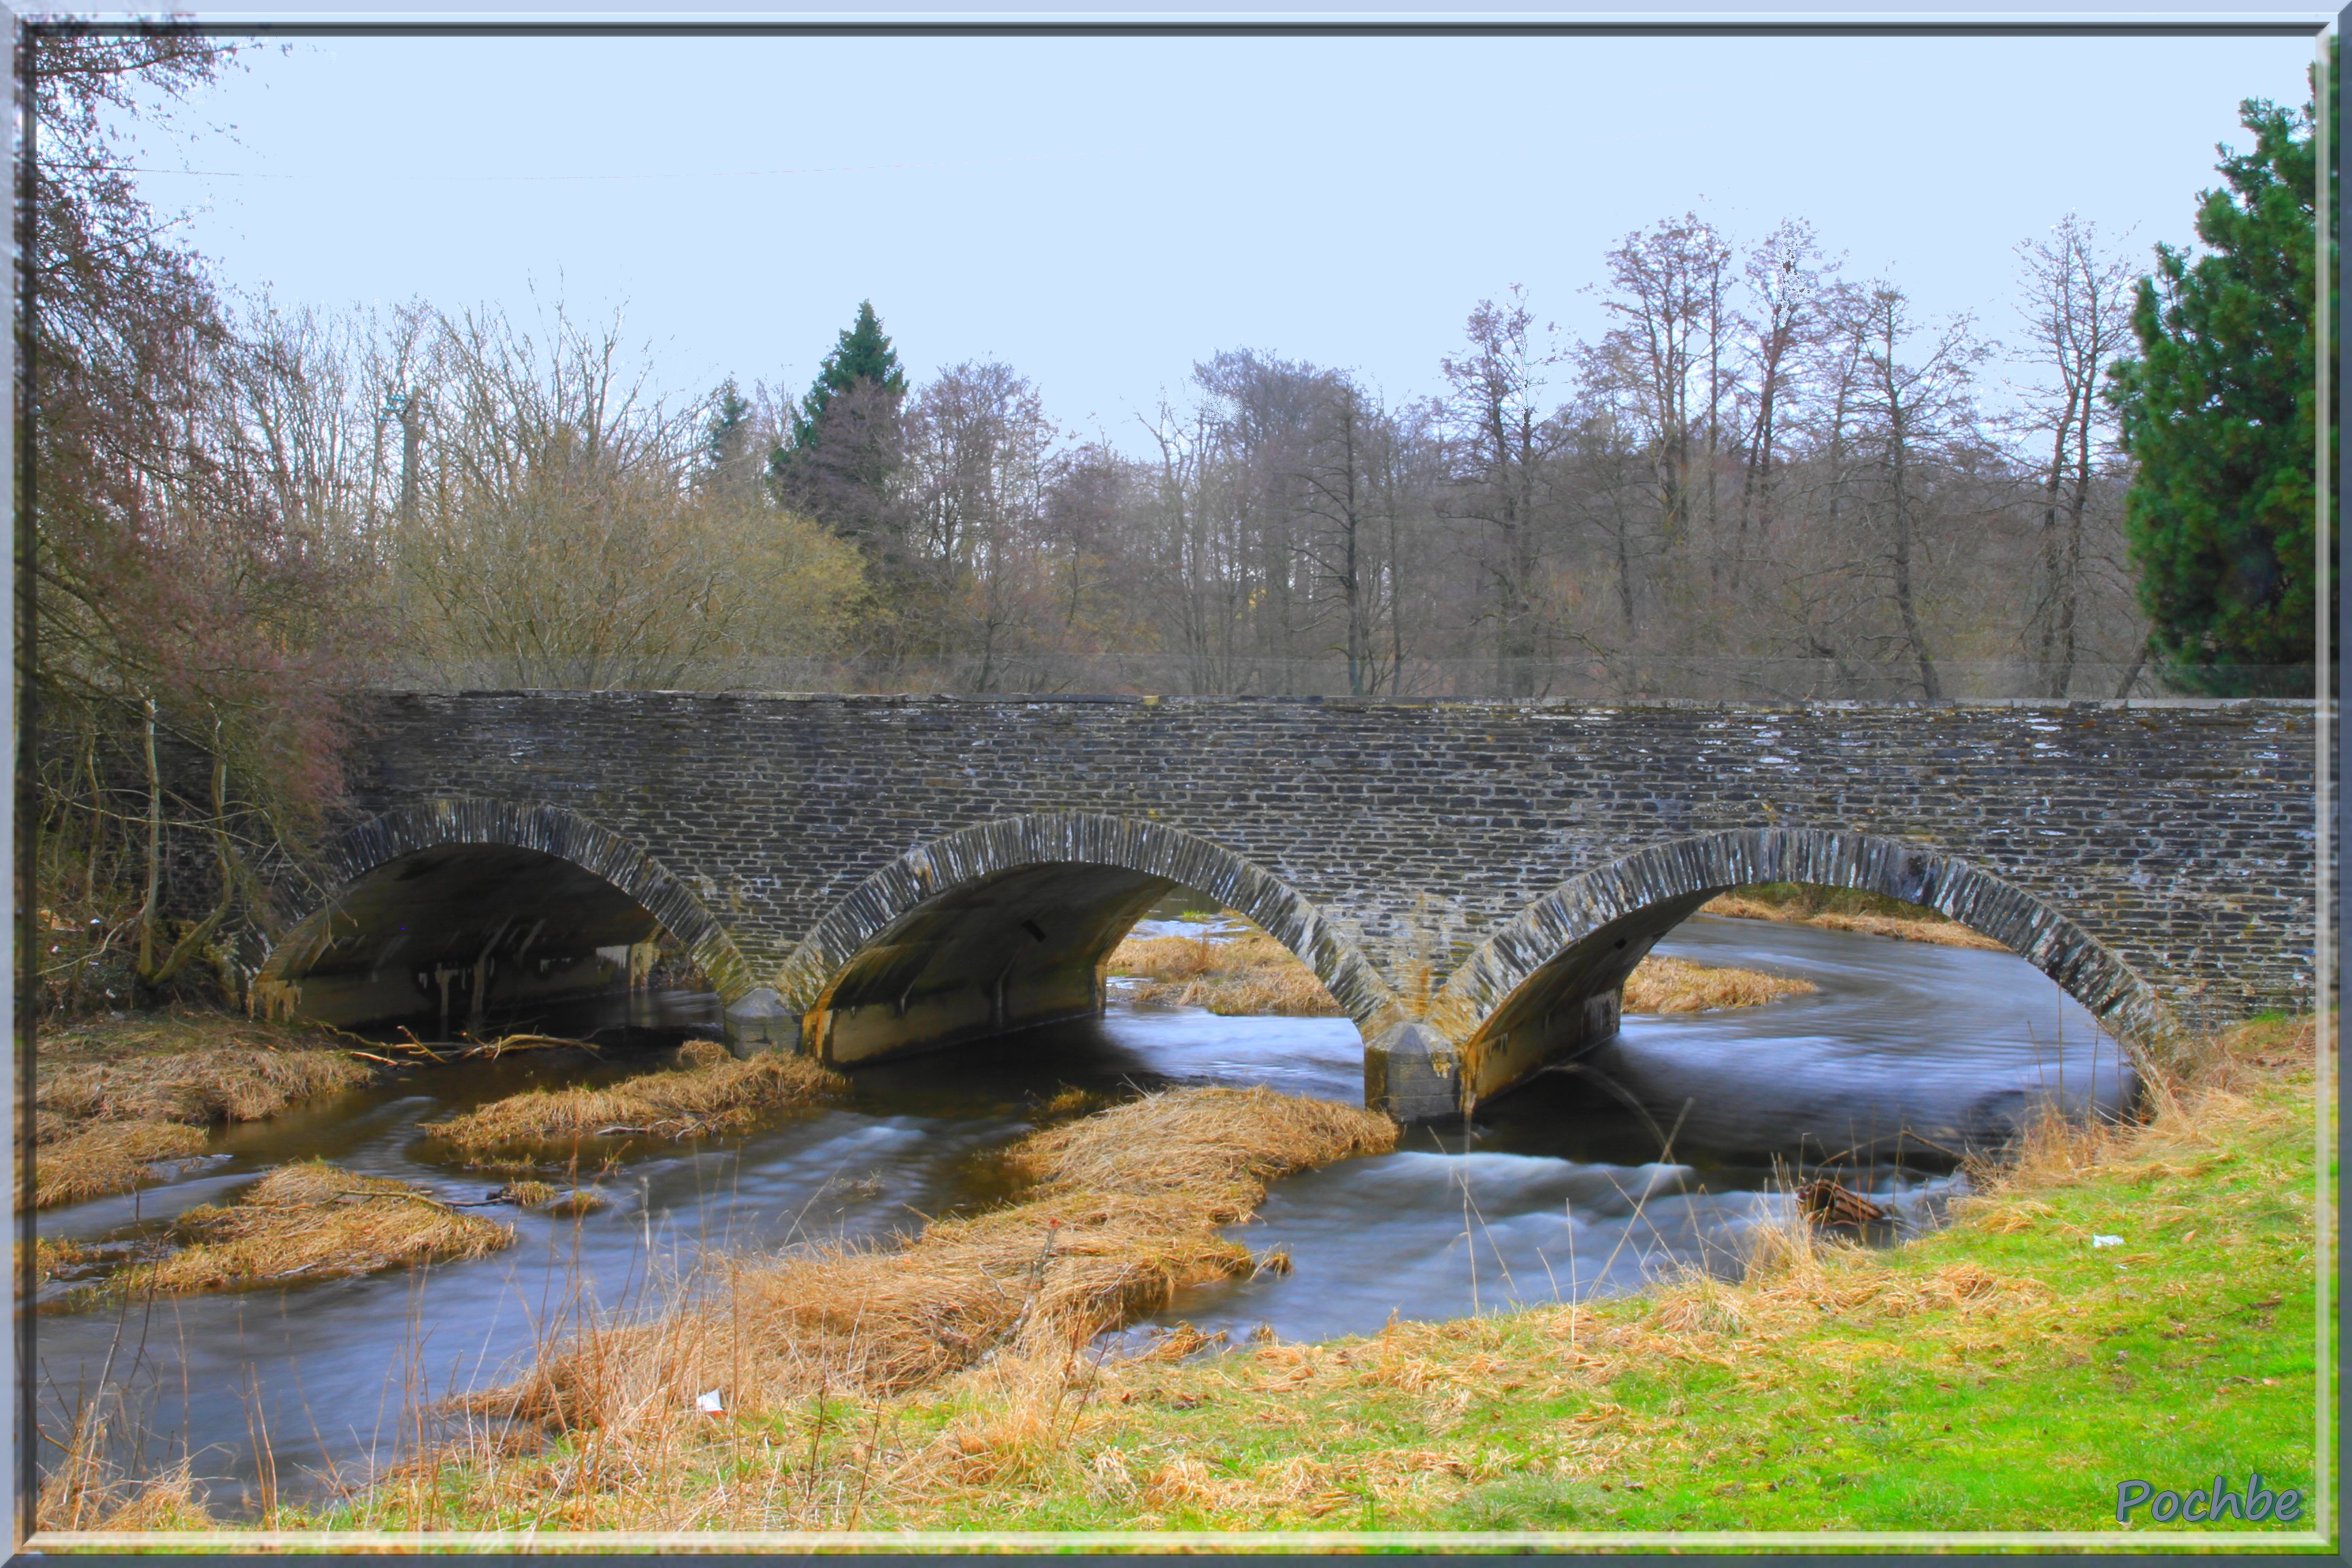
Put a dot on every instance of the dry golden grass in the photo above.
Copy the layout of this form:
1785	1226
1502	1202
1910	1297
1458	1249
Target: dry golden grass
107	1157
116	1095
1660	984
1927	927
549	1198
711	1094
1247	976
1253	975
703	1054
1123	1213
85	1492
312	1221
177	1032
235	1083
1214	1147
2208	1086
51	1254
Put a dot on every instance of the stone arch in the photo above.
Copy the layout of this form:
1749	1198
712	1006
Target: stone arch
527	839
979	886
1537	985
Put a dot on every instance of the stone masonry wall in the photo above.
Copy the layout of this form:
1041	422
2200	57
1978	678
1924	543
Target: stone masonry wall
2178	833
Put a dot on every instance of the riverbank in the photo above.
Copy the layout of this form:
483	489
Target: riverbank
116	1095
1242	972
1844	909
2003	1374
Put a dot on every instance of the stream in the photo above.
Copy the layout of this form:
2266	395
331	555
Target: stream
1657	1152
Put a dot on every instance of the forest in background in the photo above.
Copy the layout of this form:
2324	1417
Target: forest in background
1764	480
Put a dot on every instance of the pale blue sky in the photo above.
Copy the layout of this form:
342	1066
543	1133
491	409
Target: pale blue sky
1102	212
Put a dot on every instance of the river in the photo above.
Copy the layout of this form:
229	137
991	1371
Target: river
1655	1151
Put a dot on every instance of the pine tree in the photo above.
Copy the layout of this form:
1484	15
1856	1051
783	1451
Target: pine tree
847	440
2218	411
727	437
863	353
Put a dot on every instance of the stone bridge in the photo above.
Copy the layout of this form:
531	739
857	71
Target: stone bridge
863	876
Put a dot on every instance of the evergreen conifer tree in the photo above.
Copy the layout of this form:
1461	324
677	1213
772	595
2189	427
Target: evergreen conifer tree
727	437
862	353
2217	412
847	440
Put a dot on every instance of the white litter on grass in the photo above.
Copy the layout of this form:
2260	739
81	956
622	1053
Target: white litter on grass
710	1403
2107	1241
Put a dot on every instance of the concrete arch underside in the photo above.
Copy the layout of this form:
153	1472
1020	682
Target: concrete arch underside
467	899
1006	925
1550	982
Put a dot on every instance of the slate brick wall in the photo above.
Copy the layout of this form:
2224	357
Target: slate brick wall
2178	833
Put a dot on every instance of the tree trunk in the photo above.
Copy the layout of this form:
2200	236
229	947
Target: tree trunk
147	907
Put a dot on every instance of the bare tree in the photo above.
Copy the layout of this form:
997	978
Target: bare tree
561	541
1349	493
2077	310
1503	440
1663	361
1789	285
979	446
1915	398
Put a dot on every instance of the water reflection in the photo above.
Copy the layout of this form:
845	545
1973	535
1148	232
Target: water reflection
1655	1151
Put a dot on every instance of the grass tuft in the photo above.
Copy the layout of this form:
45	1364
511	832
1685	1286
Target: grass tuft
1660	984
108	1157
1841	908
86	1491
1246	976
710	1095
312	1221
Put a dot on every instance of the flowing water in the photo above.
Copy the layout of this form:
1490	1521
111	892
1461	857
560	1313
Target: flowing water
1657	1152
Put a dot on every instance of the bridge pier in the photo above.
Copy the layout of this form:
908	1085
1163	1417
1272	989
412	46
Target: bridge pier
759	1022
1413	1073
1416	1072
